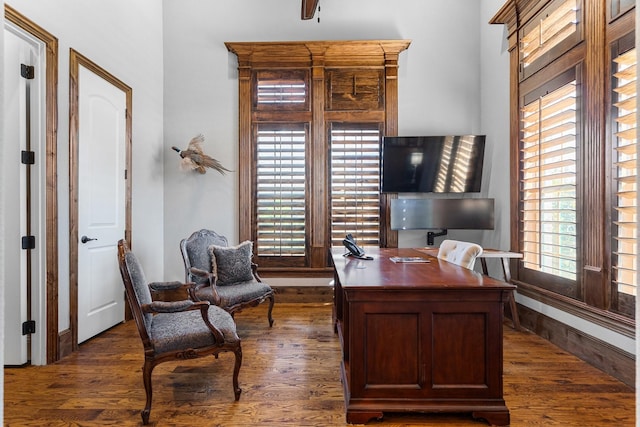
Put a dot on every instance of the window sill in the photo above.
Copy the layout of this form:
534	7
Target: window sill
295	272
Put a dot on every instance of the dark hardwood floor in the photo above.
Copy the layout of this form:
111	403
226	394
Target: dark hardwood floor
290	377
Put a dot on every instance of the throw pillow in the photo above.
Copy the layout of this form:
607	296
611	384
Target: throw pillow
232	264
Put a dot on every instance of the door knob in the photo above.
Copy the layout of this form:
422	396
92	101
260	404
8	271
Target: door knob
85	239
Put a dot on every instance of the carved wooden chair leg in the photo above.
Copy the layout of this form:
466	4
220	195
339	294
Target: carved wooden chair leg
272	299
146	377
236	370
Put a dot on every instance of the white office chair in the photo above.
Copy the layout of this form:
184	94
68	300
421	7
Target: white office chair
462	253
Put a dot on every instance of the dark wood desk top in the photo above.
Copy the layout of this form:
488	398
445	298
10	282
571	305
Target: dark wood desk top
384	273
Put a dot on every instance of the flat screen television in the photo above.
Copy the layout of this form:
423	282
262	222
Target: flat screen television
431	164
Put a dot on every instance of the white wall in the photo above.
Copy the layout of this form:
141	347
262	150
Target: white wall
494	116
125	38
439	87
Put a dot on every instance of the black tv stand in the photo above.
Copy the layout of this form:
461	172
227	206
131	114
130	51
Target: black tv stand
431	235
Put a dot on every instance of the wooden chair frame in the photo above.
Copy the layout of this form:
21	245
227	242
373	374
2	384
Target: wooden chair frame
204	278
152	358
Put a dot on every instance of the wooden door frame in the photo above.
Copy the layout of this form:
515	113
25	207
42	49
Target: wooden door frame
75	61
51	165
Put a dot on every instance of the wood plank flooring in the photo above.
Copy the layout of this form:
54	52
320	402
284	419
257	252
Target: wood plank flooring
290	377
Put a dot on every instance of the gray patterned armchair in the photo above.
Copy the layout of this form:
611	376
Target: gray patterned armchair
175	330
224	275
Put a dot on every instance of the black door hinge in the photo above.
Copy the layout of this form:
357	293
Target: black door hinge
28	242
29	327
27	71
28	157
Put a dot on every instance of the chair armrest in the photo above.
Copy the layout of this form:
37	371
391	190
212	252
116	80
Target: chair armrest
164	286
204	311
174	306
254	270
211	282
203	274
171	291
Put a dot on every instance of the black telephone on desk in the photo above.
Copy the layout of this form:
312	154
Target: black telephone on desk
354	250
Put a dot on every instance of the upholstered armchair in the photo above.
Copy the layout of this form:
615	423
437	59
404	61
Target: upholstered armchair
224	275
175	330
462	253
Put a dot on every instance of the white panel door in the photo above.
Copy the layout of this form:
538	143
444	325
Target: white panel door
24	108
16	52
101	203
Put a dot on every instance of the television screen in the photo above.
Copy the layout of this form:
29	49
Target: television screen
431	164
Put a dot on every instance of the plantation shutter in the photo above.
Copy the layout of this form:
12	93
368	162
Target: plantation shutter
548	182
280	190
553	31
281	90
355	183
625	245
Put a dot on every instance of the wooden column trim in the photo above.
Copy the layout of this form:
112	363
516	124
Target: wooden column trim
319	184
592	157
389	237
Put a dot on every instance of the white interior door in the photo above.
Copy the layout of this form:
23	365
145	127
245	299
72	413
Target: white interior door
22	103
101	202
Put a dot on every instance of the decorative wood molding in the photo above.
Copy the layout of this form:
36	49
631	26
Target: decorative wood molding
309	8
336	53
607	358
319	58
606	319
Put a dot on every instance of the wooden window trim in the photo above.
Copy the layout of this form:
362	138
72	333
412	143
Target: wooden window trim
315	57
560	285
595	254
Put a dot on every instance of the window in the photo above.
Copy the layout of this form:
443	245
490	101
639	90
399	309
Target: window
280	190
355	183
574	154
311	118
280	90
624	210
548	180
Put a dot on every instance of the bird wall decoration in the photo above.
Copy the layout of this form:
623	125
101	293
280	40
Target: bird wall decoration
193	157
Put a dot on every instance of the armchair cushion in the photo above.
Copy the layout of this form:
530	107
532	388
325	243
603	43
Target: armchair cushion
187	330
231	264
239	293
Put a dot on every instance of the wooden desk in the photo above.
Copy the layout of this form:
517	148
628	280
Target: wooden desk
504	257
418	337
